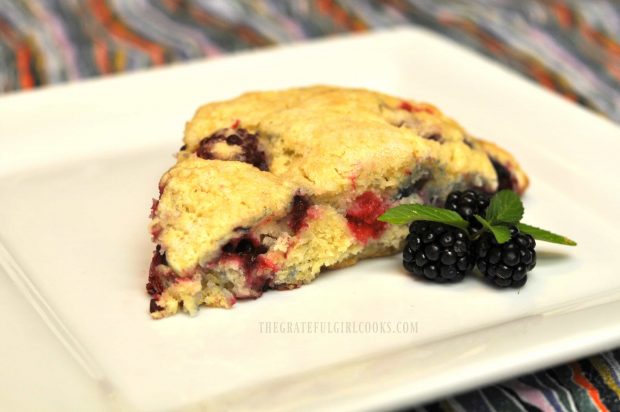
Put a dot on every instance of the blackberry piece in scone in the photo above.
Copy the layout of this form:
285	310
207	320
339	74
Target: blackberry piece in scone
273	187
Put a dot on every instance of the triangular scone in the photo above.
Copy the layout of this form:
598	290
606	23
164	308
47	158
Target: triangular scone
270	188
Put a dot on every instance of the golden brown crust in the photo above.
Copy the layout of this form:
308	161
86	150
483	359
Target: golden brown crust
322	137
204	201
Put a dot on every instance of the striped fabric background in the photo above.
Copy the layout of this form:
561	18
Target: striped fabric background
571	46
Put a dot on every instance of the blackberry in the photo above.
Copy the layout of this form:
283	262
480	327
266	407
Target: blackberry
506	264
438	252
467	204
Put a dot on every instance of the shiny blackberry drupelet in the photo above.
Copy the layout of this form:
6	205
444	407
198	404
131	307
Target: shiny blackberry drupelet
438	252
467	204
506	265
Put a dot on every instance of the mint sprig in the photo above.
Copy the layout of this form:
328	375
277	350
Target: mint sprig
504	207
505	210
501	232
403	214
545	235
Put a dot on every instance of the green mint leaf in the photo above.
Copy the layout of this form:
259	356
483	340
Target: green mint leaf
545	235
407	213
501	232
505	207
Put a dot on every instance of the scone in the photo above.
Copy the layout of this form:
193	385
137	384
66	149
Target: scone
271	188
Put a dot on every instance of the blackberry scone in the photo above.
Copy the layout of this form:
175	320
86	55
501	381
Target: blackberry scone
270	188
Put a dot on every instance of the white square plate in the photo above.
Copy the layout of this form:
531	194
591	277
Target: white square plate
81	162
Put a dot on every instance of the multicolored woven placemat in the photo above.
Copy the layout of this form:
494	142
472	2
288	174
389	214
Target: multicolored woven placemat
571	46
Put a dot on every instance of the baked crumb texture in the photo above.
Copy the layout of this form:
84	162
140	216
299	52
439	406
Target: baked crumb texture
271	188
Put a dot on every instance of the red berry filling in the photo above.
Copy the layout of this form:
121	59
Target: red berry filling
154	307
158	272
415	187
247	142
362	217
505	178
418	107
245	250
436	137
406	106
299	211
154	208
248	253
156	231
353	179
